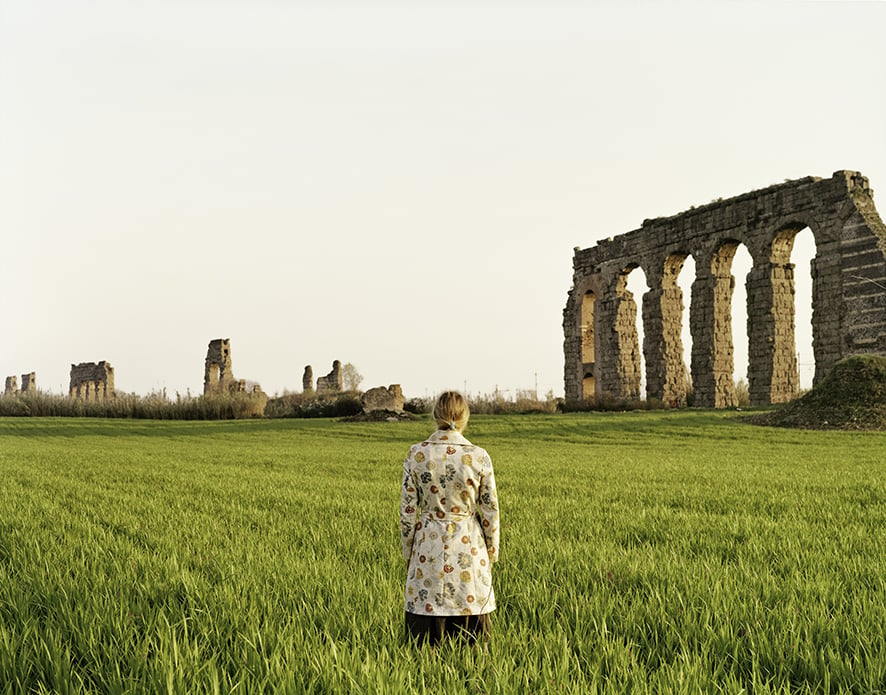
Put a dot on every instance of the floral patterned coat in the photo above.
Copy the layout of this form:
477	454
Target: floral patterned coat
449	526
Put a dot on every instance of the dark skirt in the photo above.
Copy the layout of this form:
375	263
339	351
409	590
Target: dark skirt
432	628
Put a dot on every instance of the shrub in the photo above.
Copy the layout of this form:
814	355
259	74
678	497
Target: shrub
419	406
306	405
154	406
742	395
524	402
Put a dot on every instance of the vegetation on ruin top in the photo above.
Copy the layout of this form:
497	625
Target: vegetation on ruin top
851	397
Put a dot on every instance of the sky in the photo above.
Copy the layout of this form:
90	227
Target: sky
398	185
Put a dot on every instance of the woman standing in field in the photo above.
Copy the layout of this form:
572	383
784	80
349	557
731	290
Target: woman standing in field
449	524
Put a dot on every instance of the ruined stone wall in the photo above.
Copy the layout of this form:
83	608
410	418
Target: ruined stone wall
29	383
332	382
218	374
848	296
307	379
91	381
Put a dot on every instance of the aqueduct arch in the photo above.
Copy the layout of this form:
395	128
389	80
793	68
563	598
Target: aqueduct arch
849	295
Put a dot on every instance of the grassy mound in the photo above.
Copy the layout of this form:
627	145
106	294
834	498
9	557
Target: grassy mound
851	397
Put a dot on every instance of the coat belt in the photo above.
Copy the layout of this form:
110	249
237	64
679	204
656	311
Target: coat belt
446	516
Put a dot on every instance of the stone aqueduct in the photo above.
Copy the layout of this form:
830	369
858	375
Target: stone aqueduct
602	354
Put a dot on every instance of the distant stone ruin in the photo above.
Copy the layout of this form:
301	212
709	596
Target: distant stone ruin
218	375
92	381
601	347
29	383
386	399
332	382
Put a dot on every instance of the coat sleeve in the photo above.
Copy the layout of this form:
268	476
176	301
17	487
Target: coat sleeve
408	508
487	504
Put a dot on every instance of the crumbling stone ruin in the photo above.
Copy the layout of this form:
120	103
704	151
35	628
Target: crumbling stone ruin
29	385
381	398
307	380
218	376
332	382
91	381
602	354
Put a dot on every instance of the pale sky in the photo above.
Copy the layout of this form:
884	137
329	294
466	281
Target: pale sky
399	185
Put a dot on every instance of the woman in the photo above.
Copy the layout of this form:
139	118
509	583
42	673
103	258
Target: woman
449	524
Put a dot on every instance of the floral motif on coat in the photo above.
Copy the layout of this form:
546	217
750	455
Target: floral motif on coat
449	524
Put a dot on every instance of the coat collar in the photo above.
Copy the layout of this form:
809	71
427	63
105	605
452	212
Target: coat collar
449	436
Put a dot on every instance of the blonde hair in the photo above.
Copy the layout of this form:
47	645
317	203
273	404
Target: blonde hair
451	411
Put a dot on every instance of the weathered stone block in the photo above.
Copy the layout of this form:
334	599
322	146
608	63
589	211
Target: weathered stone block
381	398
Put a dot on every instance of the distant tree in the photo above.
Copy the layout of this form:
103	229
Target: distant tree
742	395
350	377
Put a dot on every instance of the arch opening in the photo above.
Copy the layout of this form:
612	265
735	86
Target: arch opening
213	374
793	307
685	279
631	283
742	264
803	257
588	349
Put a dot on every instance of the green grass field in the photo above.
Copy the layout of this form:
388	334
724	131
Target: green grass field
646	551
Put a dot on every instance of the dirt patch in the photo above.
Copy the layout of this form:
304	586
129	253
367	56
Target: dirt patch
380	416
